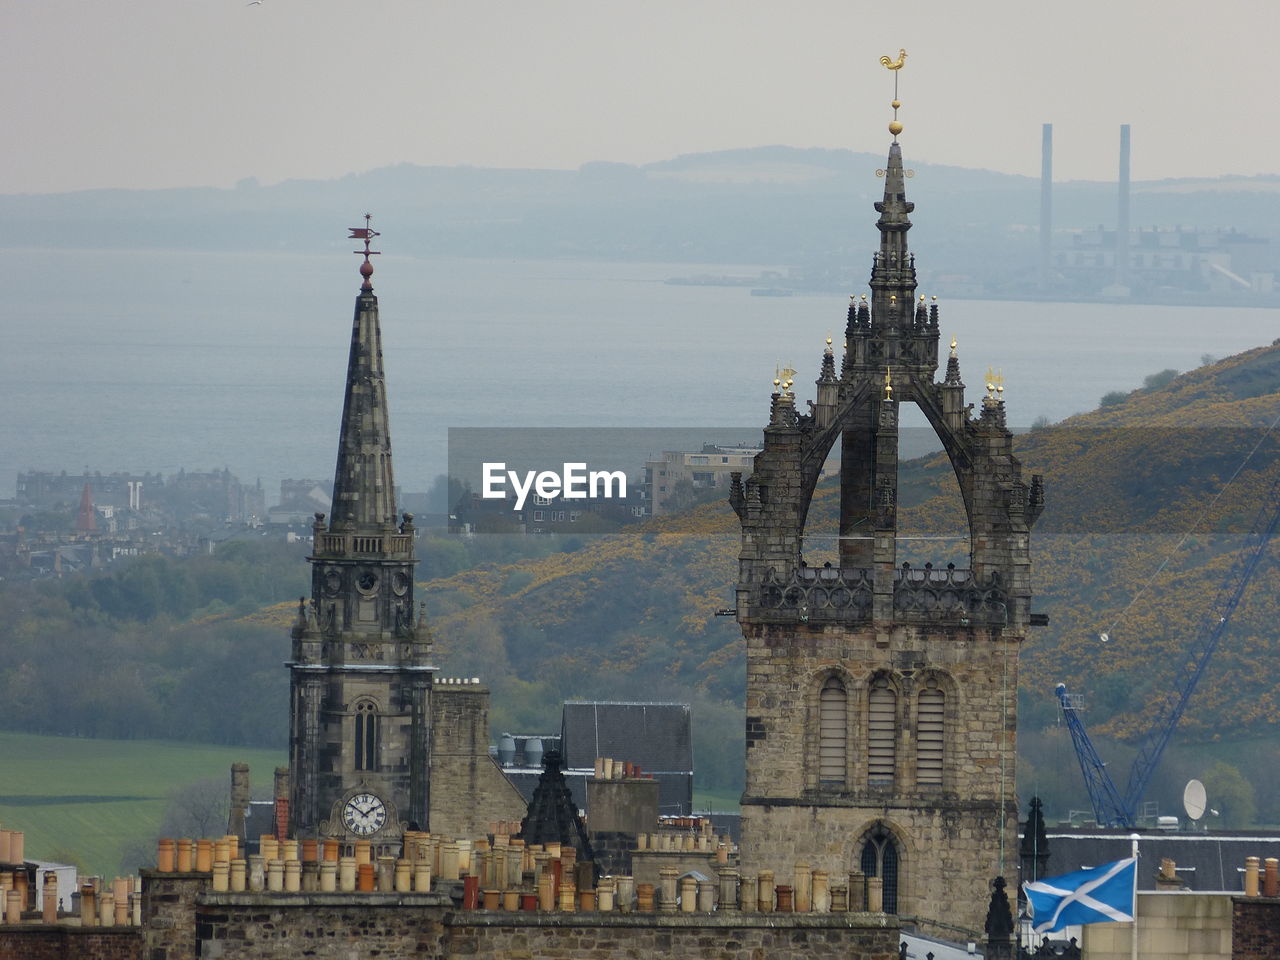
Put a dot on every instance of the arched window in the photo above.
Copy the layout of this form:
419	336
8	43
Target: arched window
929	734
882	730
833	733
367	723
880	859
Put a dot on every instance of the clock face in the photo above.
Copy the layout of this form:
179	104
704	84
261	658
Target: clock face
364	814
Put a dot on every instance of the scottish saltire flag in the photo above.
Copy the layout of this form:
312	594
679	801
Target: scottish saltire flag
1097	895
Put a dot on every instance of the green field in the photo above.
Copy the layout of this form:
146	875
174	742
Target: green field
717	801
88	801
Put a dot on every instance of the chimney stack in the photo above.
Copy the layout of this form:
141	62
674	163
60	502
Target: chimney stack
1046	205
1122	212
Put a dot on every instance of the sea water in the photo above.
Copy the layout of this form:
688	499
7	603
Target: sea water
158	360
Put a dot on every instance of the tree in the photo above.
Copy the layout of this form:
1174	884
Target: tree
198	809
1230	793
1112	399
1157	380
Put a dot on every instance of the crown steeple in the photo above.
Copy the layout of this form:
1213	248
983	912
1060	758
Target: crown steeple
363	482
839	616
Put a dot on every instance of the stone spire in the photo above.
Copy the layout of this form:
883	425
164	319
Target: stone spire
363	483
893	271
552	815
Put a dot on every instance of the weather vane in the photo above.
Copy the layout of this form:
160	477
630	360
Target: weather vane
365	233
894	66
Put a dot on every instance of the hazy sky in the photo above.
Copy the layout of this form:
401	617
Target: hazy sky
157	93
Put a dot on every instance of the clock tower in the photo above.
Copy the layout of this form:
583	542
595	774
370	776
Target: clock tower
360	673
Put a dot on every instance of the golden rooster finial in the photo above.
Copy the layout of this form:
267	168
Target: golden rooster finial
895	126
895	64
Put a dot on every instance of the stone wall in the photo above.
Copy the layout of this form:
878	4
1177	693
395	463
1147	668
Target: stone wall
468	788
1255	928
340	926
622	806
168	905
1172	925
402	926
38	941
949	835
731	936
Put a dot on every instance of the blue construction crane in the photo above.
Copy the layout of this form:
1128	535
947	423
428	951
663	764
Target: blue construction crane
1110	808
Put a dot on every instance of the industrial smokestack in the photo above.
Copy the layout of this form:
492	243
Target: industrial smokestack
1046	205
1122	213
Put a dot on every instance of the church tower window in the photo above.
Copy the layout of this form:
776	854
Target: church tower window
930	734
880	859
366	740
833	733
882	732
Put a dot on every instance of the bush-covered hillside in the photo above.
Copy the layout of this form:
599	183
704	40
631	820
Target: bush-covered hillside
1147	499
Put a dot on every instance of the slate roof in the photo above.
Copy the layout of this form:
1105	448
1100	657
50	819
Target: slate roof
657	736
1205	861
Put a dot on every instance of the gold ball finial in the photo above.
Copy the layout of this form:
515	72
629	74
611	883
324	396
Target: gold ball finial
895	127
922	298
934	299
893	298
896	104
828	341
776	382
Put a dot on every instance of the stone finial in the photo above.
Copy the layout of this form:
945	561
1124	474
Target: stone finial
1035	842
828	370
999	923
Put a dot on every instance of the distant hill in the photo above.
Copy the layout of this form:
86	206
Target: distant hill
1146	499
768	205
632	615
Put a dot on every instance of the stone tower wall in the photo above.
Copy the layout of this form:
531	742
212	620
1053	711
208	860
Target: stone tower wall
468	788
949	836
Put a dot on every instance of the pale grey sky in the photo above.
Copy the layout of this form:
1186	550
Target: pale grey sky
160	93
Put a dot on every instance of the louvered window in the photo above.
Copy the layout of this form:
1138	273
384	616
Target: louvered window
881	732
929	735
833	733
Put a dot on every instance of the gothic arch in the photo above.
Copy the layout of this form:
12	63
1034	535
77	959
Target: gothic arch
883	850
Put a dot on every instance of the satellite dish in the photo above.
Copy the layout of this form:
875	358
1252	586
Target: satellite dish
1193	799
